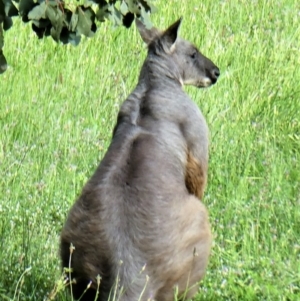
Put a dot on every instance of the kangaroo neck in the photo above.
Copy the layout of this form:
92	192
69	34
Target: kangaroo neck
159	73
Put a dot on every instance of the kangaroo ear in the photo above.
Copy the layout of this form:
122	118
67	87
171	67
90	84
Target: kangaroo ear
170	35
147	34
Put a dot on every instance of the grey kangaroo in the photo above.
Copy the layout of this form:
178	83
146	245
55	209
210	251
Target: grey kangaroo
139	223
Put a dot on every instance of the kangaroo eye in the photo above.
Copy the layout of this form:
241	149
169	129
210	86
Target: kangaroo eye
193	55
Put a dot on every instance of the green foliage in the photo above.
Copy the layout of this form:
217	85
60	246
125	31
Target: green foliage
66	23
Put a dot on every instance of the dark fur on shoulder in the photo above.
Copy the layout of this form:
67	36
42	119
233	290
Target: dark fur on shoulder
138	222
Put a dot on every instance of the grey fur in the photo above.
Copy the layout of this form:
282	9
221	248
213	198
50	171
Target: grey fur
139	207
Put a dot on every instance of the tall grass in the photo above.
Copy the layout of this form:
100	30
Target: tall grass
58	105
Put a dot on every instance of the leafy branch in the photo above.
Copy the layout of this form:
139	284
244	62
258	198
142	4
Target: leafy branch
67	22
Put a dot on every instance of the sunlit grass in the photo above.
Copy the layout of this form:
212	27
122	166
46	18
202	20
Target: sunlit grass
58	105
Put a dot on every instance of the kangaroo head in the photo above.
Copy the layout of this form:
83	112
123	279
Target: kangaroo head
182	56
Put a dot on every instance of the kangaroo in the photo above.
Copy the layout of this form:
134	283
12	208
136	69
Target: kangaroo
139	222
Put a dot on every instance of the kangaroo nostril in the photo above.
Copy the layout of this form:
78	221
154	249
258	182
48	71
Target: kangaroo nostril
216	72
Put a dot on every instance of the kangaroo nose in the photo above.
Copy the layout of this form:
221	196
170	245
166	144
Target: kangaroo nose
216	73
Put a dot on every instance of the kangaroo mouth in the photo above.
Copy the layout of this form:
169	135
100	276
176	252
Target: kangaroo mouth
205	83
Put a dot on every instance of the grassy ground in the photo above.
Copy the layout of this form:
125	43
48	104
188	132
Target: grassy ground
58	106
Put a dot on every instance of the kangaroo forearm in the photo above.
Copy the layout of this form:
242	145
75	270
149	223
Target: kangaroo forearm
195	177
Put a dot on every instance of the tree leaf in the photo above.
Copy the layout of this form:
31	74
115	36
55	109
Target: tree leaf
88	3
38	12
9	8
73	22
42	23
153	8
115	16
102	13
56	17
149	7
51	14
25	6
69	37
74	39
86	19
134	6
124	8
55	3
145	18
55	33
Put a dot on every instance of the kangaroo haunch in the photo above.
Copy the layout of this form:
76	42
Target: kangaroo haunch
138	222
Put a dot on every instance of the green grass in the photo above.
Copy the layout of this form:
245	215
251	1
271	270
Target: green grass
58	105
